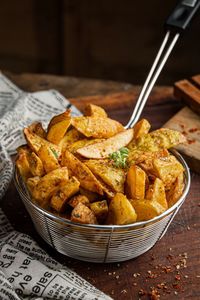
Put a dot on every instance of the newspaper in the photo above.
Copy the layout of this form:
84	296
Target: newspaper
26	270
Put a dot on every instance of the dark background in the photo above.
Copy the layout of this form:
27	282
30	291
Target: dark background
107	39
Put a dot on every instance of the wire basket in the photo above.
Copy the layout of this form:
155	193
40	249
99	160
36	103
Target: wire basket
100	243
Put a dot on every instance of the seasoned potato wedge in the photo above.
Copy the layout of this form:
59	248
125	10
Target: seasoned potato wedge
37	128
100	209
48	158
97	127
167	169
83	214
112	176
135	183
73	148
104	148
141	128
49	184
22	164
82	172
147	209
34	141
92	110
32	182
60	198
69	138
156	193
78	199
36	165
120	211
58	127
176	190
99	172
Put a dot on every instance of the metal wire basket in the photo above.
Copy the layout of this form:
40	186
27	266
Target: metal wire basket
100	243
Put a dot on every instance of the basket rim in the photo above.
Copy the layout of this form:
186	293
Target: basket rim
50	215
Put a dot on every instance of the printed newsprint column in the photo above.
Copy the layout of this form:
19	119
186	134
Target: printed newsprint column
27	271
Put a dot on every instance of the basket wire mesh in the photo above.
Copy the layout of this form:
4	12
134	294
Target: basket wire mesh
100	243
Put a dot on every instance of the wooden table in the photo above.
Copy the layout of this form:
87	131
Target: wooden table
173	265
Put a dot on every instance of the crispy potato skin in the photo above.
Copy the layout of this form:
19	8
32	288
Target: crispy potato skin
69	138
35	142
156	193
120	211
93	110
135	183
78	199
60	199
176	190
97	127
104	148
167	169
37	128
36	165
58	127
83	214
100	209
48	158
146	209
22	162
82	172
112	176
49	184
141	128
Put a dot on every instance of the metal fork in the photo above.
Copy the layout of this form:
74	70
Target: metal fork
176	23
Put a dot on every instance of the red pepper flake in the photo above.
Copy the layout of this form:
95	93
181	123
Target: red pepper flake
178	277
182	126
142	292
193	130
184	132
190	141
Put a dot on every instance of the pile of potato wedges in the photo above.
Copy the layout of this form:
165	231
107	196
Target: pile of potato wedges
91	170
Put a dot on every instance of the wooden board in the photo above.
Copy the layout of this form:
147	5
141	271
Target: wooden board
188	122
172	265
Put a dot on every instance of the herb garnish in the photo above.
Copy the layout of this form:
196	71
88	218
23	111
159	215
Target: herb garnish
54	152
119	157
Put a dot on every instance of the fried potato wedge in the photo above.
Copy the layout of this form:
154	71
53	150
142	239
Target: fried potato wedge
49	184
141	128
100	209
48	158
37	128
112	176
36	165
120	211
22	163
78	199
147	163
97	127
34	141
167	169
176	190
156	193
82	173
32	182
83	214
58	127
146	209
106	147
69	138
93	110
73	148
135	183
60	198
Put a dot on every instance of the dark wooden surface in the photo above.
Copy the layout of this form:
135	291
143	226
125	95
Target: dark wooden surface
173	265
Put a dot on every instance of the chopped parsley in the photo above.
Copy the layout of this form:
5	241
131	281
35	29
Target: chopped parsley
119	158
54	152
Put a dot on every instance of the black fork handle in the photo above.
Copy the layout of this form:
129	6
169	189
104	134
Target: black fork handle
182	14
